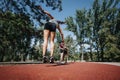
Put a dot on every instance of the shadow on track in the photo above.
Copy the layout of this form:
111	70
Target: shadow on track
59	64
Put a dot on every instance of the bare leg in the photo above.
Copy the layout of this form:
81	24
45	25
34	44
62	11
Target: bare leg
52	36
61	57
45	44
66	58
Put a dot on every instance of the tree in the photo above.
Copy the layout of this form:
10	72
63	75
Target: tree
17	30
99	28
77	26
89	32
104	25
15	34
29	7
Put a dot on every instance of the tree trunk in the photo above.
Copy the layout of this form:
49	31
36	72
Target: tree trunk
102	53
91	56
98	55
82	54
1	56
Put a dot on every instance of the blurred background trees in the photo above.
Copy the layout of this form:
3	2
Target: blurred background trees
19	37
99	28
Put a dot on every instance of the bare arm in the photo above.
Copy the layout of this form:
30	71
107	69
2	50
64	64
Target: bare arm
61	33
39	7
48	14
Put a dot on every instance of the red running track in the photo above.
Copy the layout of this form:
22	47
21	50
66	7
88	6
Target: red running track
70	71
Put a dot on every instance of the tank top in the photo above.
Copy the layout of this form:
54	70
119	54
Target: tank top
53	21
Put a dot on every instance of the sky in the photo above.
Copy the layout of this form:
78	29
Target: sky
69	8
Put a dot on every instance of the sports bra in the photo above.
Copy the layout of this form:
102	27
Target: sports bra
53	21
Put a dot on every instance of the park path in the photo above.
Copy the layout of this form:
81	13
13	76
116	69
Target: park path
69	71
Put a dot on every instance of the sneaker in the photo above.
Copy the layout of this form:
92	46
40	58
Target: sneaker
44	59
62	62
51	60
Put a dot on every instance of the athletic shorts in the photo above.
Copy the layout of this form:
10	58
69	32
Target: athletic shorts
50	26
61	51
65	51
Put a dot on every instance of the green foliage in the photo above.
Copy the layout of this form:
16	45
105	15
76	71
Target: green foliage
16	33
105	27
17	30
98	27
28	7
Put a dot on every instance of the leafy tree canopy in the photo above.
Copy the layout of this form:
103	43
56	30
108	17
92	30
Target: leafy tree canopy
29	7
